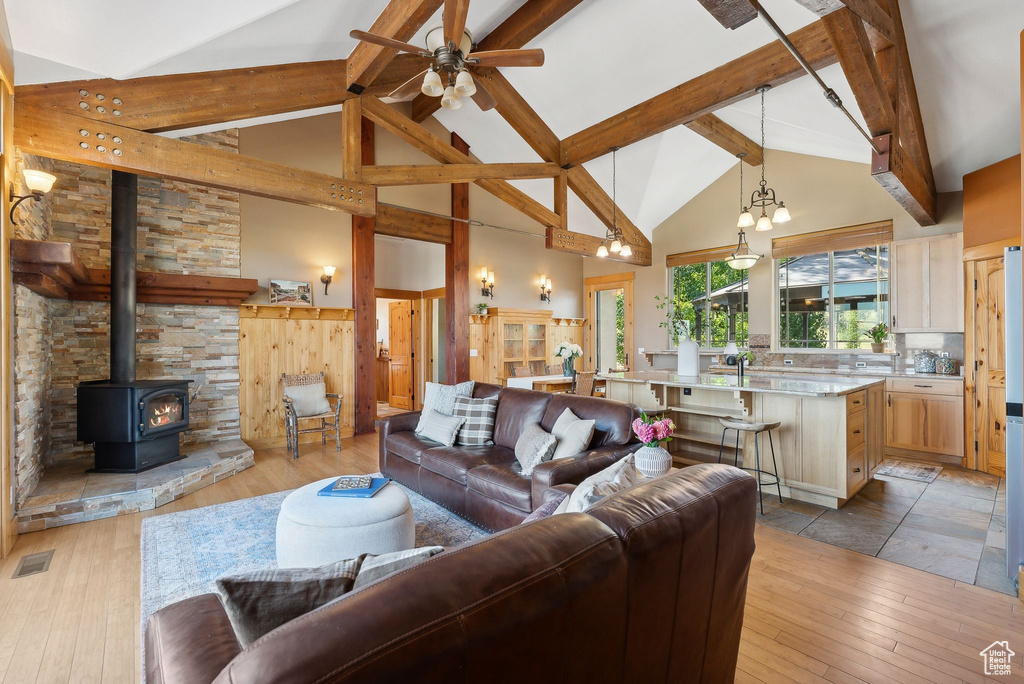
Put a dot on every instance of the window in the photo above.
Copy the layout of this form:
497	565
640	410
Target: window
832	287
713	300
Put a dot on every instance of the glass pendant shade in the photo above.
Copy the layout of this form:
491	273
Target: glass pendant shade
781	214
764	223
746	219
38	181
626	251
615	247
450	100
464	85
432	84
742	258
602	251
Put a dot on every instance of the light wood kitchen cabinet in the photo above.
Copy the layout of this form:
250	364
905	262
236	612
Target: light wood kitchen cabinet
506	339
925	417
926	290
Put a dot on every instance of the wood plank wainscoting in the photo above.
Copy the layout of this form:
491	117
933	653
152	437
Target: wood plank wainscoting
275	339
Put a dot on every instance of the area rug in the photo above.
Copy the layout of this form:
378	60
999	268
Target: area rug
184	553
909	470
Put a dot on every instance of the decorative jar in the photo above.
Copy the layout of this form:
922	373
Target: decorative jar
652	461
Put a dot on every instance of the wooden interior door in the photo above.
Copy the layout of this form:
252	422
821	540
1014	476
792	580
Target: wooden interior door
400	376
989	368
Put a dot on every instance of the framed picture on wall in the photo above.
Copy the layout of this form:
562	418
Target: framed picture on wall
294	292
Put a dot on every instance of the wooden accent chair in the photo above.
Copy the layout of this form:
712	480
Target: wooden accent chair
583	383
291	418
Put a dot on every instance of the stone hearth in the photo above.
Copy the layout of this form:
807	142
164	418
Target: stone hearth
67	494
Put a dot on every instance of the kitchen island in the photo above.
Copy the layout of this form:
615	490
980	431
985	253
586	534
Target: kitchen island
829	444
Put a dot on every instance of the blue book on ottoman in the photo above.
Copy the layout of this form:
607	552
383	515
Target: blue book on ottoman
333	489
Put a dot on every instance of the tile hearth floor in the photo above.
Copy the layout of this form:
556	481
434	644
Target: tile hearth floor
68	494
954	526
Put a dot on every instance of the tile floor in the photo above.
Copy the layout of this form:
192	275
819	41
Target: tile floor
954	526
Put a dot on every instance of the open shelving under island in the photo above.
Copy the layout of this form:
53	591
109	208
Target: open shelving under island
829	444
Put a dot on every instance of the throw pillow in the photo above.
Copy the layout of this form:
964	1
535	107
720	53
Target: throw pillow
258	602
309	400
376	567
545	510
573	433
439	428
534	446
478	430
441	398
617	477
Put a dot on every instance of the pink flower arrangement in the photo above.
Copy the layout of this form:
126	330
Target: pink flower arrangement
652	432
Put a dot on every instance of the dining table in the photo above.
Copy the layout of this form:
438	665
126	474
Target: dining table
546	383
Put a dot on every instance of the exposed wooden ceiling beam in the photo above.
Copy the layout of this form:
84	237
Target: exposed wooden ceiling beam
167	103
401	19
419	137
586	245
850	41
731	82
902	178
428	174
525	24
730	13
412	225
727	137
525	120
874	13
58	136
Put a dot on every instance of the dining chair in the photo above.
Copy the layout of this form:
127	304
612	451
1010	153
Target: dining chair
583	383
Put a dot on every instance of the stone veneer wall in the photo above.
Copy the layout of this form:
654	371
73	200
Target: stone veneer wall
183	228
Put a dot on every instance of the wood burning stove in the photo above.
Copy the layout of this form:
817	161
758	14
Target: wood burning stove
133	424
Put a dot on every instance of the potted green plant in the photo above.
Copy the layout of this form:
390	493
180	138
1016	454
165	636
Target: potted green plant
878	335
481	309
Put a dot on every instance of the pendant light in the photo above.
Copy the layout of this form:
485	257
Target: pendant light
742	258
614	242
764	196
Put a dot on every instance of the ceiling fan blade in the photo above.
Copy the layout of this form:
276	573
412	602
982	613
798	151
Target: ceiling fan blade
387	42
455	12
409	88
484	100
510	58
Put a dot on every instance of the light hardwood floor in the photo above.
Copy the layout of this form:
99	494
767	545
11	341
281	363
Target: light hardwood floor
815	612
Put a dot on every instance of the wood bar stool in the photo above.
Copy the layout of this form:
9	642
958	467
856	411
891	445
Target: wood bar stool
741	426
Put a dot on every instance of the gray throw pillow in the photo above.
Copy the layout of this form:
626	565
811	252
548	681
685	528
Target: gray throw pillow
441	398
376	567
258	602
545	510
443	429
534	446
309	400
478	430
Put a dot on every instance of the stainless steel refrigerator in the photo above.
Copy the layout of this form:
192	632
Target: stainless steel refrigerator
1014	349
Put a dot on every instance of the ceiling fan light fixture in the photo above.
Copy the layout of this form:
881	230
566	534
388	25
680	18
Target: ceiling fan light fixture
602	251
432	86
781	214
450	100
464	85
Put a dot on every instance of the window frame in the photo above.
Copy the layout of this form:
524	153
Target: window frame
744	297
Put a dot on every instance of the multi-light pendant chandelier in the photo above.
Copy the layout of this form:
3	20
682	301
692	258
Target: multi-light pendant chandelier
763	197
614	242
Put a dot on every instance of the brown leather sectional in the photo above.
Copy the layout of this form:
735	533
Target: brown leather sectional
647	586
484	484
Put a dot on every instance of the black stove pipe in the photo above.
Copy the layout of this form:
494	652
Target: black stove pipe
124	232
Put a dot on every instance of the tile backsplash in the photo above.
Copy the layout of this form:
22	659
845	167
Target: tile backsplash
905	344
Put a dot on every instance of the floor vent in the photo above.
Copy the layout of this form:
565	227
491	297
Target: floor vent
33	564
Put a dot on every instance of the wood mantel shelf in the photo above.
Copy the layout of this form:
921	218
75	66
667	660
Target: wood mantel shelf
52	269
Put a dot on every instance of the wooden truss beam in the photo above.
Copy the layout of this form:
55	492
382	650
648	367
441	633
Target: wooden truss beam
850	41
525	24
412	225
874	13
364	298
401	19
902	178
727	137
433	146
427	174
731	82
74	139
176	101
586	245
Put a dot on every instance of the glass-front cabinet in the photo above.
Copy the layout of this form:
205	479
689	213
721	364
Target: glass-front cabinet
503	341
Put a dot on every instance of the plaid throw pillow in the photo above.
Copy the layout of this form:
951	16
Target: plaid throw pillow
478	430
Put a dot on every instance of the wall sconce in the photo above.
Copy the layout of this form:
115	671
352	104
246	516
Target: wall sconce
486	282
38	182
545	289
327	276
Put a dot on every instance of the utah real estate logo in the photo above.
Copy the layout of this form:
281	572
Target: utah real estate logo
997	658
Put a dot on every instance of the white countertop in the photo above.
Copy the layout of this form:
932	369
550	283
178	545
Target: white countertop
850	372
805	386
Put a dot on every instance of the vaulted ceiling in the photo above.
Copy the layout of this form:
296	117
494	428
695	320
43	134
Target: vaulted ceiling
602	57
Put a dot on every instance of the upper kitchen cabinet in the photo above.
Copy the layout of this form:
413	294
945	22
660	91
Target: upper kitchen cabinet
927	284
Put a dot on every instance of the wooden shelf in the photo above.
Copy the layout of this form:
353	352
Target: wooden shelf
704	438
708	411
295	312
52	269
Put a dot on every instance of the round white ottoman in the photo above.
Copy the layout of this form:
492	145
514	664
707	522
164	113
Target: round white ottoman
316	530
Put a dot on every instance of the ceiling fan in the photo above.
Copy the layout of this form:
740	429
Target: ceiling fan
451	46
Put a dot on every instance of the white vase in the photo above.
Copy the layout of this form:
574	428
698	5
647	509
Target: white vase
688	359
652	461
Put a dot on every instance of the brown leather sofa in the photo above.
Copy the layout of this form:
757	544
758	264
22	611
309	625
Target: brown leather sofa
647	586
484	484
